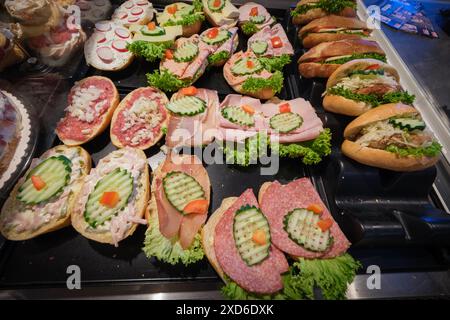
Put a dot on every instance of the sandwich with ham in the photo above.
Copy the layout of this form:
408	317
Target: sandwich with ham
254	17
322	60
181	65
91	104
192	117
222	41
249	75
42	199
220	13
189	17
177	210
133	12
359	85
332	28
290	128
393	137
271	45
309	10
140	119
113	198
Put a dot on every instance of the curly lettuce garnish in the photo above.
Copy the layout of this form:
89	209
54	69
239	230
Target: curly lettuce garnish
432	150
330	6
369	55
272	64
218	57
275	82
166	81
149	50
249	28
186	20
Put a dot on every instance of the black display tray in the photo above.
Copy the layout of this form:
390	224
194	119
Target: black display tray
373	207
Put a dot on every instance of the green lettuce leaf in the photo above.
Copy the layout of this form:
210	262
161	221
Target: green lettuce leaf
369	55
218	57
166	81
372	99
330	6
431	151
311	152
186	20
249	28
170	250
198	6
149	50
275	63
255	84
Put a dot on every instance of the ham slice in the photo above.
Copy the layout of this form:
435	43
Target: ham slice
244	14
266	34
234	80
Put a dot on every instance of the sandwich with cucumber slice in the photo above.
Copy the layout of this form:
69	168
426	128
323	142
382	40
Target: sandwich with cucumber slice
322	60
359	85
43	198
177	211
309	10
189	17
393	137
223	42
254	17
220	12
113	198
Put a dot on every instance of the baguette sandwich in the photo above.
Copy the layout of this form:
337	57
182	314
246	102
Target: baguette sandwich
309	10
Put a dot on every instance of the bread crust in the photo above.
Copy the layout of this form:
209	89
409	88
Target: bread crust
313	39
56	224
331	21
319	70
341	105
192	29
106	117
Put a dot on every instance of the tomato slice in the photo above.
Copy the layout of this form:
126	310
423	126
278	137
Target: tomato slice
286	107
189	91
217	3
250	64
213	33
259	237
109	199
151	26
172	9
254	11
168	54
38	183
199	206
325	224
248	109
276	42
316	208
373	67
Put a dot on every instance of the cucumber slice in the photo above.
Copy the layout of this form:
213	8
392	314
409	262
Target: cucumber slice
158	31
221	37
409	124
238	116
301	226
257	19
247	220
180	189
259	47
286	122
241	66
212	5
186	52
55	171
118	180
187	106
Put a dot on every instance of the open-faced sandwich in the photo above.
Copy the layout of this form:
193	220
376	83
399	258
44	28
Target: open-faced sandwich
152	41
309	10
220	12
94	10
192	120
391	136
106	49
41	201
113	198
140	119
359	85
91	104
322	60
332	28
177	210
290	128
223	42
181	65
272	47
254	17
132	12
190	17
248	75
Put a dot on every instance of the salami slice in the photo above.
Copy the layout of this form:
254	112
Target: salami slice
263	278
279	199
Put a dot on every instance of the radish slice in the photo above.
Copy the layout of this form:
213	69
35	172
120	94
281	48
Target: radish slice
136	11
133	19
123	15
101	39
142	3
120	45
105	54
103	26
100	3
123	33
128	4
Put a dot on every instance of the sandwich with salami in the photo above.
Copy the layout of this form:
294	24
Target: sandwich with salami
189	17
223	43
177	210
132	12
359	85
393	137
322	60
302	226
309	10
140	119
42	199
254	17
91	104
192	117
220	13
181	65
332	28
289	128
246	74
113	198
